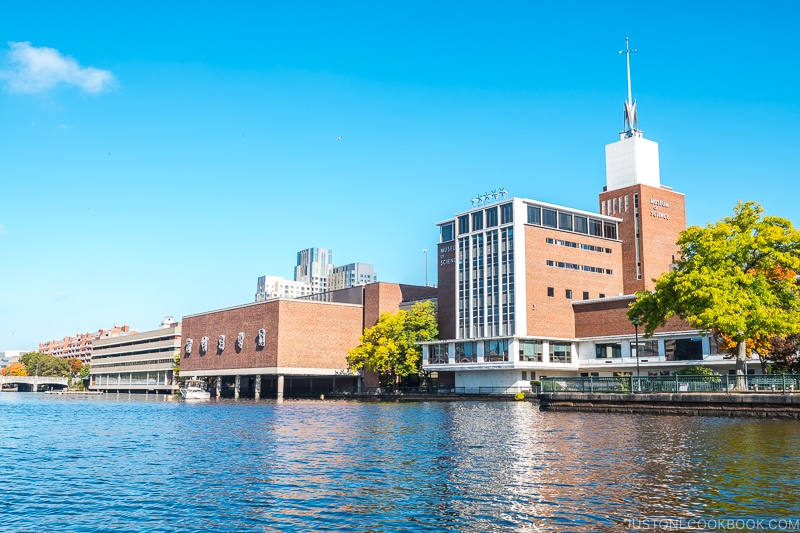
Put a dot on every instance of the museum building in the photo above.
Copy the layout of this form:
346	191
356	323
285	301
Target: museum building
529	289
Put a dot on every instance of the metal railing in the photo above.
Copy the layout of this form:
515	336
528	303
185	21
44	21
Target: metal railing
426	391
784	383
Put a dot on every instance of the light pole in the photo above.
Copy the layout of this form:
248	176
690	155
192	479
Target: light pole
425	251
636	341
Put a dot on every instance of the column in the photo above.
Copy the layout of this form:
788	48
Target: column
219	386
258	386
280	389
238	387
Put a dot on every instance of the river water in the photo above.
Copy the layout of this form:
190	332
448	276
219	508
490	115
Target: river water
137	464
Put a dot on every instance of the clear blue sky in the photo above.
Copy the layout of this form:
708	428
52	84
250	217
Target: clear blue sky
157	157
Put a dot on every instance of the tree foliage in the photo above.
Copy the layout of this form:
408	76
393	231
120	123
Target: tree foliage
785	355
14	369
37	363
390	347
85	371
736	277
75	365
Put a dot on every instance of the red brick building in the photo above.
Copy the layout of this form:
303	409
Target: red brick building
80	346
287	347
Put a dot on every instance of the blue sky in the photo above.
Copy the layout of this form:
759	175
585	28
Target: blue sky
157	157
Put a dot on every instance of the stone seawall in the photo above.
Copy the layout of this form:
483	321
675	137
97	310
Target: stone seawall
695	404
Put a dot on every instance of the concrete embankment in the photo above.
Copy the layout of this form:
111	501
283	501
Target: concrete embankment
773	405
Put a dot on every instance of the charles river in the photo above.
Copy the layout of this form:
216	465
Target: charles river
136	464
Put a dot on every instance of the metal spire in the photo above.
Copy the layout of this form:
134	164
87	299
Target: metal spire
631	120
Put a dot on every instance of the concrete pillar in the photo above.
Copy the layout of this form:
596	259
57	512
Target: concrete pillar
238	387
219	386
280	389
258	386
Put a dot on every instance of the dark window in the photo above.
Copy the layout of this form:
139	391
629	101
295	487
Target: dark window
596	227
602	295
569	294
534	215
447	233
683	349
551	292
477	221
585	295
565	221
491	217
610	230
463	224
581	224
608	351
549	218
465	352
506	213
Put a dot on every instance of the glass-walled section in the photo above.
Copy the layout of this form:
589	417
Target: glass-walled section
485	271
567	220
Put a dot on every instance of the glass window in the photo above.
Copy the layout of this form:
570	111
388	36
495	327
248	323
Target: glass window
608	351
495	350
437	354
565	221
581	224
551	292
683	349
609	230
465	352
491	217
506	213
549	218
560	352
595	227
585	295
646	349
569	294
463	224
534	215
530	351
477	220
446	232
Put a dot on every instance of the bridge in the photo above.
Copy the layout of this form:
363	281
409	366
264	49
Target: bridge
35	381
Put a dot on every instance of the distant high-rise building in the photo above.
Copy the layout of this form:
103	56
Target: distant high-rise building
346	276
314	265
270	287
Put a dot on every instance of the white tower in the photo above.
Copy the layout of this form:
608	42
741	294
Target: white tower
632	160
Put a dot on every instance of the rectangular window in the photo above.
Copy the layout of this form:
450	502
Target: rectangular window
565	221
602	295
524	375
495	350
569	294
646	349
560	352
491	217
595	227
585	295
581	224
446	233
477	220
437	354
507	213
530	351
549	218
683	349
551	292
534	215
608	351
465	352
610	230
463	224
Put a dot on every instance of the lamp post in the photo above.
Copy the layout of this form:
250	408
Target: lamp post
636	341
425	251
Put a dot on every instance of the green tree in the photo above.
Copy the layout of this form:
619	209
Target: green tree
85	371
709	374
38	363
390	347
736	277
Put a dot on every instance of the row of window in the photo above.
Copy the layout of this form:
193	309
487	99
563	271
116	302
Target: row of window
674	349
96	357
576	266
551	293
496	350
564	220
133	363
571	244
487	218
136	343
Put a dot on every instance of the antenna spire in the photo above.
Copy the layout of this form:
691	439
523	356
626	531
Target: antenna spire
631	120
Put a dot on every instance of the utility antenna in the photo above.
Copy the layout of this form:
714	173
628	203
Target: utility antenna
631	120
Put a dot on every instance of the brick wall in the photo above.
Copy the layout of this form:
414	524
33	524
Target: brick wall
609	317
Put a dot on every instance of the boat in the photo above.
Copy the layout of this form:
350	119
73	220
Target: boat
195	389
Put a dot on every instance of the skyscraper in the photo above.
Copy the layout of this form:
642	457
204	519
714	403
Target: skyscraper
314	265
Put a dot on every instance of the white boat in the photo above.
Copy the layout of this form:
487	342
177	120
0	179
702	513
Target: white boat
195	389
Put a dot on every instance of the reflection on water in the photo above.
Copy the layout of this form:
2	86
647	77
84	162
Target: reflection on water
98	464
